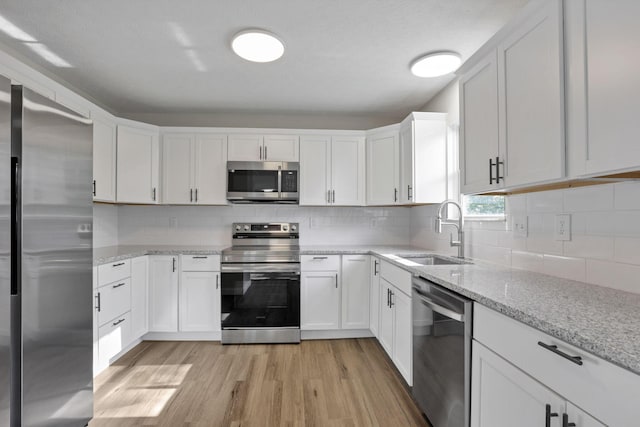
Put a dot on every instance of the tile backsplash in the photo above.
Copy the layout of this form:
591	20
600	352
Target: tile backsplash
211	225
605	234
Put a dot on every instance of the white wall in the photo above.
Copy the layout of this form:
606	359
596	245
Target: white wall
105	225
211	225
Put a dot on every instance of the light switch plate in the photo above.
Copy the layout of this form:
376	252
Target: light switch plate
520	226
563	227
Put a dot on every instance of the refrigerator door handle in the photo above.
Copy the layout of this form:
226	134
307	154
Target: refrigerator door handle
16	248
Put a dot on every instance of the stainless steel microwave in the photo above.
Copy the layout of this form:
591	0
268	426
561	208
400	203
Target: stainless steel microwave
259	182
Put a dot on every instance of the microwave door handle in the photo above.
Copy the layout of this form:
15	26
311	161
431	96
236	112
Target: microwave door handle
279	182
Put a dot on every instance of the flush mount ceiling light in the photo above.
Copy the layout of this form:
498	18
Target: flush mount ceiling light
257	46
436	64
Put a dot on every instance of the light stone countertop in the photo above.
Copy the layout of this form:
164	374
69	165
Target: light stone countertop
602	321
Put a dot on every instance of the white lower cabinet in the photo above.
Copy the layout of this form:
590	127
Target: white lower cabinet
395	330
139	296
199	301
517	371
355	291
113	337
374	297
163	293
319	300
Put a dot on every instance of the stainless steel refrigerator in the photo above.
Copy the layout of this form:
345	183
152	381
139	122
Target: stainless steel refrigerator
45	262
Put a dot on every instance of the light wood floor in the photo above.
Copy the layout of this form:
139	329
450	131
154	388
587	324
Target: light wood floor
317	383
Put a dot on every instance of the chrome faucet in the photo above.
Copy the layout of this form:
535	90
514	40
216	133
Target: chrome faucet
459	224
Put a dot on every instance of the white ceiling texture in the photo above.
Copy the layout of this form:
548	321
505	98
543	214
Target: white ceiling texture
173	57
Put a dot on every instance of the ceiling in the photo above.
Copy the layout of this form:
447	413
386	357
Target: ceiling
343	57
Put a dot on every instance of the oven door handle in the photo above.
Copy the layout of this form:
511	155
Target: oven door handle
440	309
261	268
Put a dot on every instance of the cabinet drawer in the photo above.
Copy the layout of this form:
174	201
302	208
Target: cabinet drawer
111	272
115	299
200	262
320	262
584	385
113	337
398	277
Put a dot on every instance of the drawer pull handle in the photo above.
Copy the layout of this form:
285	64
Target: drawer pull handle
118	264
320	257
118	285
200	257
549	415
118	322
554	348
98	303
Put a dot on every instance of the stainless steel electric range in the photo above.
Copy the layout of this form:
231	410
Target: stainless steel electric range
261	284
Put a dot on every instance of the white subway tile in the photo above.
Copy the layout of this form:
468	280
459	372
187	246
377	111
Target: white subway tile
544	201
627	195
591	198
626	223
599	247
527	261
627	250
624	277
516	204
565	267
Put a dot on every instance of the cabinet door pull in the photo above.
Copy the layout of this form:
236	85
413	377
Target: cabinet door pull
375	267
261	152
565	421
490	171
94	187
174	265
333	196
391	303
328	196
118	322
336	280
154	194
196	195
98	304
554	348
118	285
409	192
320	257
388	298
191	195
265	152
395	194
118	264
548	415
498	164
217	280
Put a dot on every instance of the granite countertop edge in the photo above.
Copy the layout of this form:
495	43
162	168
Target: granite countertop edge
393	254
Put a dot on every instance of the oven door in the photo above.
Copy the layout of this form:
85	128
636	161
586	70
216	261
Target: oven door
260	296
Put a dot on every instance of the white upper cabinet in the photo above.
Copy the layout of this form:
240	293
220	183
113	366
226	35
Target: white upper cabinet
138	159
603	90
512	106
194	169
531	102
256	148
479	125
383	175
423	158
332	170
104	160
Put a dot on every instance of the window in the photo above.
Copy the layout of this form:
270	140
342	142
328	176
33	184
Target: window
484	207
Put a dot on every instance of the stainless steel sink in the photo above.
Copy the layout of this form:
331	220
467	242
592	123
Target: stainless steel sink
434	260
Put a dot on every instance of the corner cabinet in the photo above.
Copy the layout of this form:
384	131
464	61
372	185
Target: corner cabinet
104	159
383	167
138	160
545	380
257	148
512	107
194	169
423	158
332	171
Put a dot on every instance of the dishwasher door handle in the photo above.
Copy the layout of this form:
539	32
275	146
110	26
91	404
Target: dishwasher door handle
440	309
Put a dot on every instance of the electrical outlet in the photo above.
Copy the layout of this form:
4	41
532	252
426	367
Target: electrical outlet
563	227
520	225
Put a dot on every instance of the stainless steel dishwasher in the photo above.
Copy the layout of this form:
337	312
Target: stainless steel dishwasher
441	354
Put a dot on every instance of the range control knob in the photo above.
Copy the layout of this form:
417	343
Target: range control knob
238	228
246	227
293	228
285	227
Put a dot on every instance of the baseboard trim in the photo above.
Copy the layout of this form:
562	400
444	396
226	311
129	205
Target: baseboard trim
336	334
182	336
